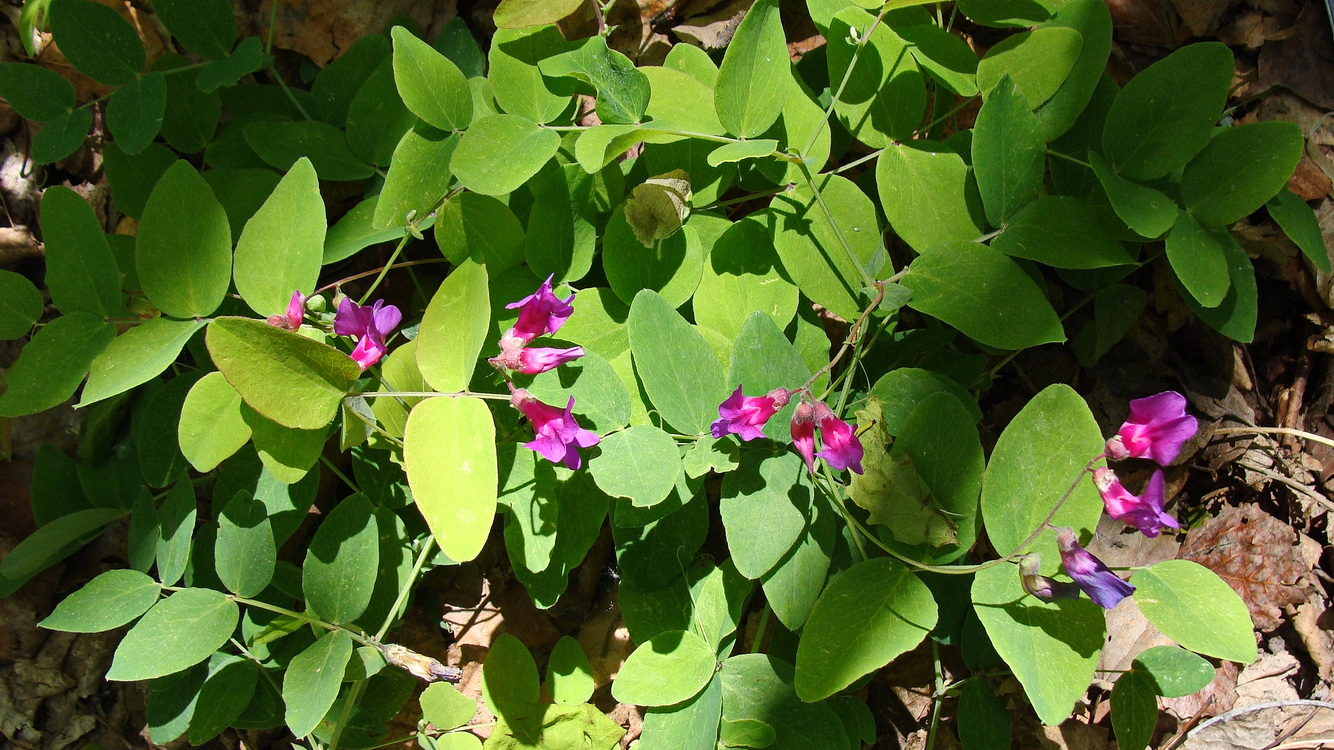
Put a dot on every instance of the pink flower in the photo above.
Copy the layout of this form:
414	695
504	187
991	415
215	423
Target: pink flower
542	358
1103	586
842	448
1144	512
803	434
541	312
370	326
746	415
558	434
296	311
1157	428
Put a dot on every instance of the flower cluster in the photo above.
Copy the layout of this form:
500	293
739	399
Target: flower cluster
745	417
540	313
1157	428
370	326
558	435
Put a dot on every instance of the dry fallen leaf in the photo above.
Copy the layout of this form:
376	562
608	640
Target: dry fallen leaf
1259	557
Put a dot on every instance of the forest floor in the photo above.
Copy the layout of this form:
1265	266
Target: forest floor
1257	508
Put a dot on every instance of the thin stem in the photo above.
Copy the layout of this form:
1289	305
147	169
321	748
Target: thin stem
838	232
847	519
1003	361
402	243
854	335
374	425
343	716
745	198
847	76
338	473
759	629
936	699
407	587
290	96
374	271
358	637
1303	434
947	115
273	24
434	394
1067	157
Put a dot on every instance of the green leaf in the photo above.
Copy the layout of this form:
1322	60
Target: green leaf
984	294
472	225
640	463
245	553
1240	169
282	245
870	613
226	692
809	245
104	603
1061	232
741	151
456	42
176	528
312	680
1093	21
134	114
517	14
343	77
184	251
1177	595
520	88
356	231
793	587
97	40
763	360
501	152
928	195
1146	211
445	707
885	95
753	79
694	62
1235	316
137	356
1299	223
670	267
283	144
764	507
241	192
1052	647
746	733
295	381
1175	672
1134	710
63	136
990	725
449	451
942	55
81	272
20	305
741	277
653	554
178	632
418	178
172	702
132	177
711	454
622	90
1005	12
211	425
247	58
432	87
1009	155
1199	258
542	726
569	675
758	687
339	573
52	543
509	674
690	724
454	328
671	667
598	391
377	118
53	363
1036	460
1165	115
35	92
675	103
192	116
1038	62
205	27
679	371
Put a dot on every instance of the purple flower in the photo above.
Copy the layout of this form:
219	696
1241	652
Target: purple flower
370	326
1144	512
296	311
542	358
1044	588
1157	427
746	415
841	447
1103	586
541	312
803	434
558	434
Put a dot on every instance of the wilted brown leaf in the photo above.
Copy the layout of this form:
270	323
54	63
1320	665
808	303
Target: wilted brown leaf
1301	62
1257	555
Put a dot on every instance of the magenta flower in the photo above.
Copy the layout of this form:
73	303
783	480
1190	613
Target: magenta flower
558	434
1043	587
841	447
370	326
1157	428
541	312
296	311
1103	586
803	434
542	358
1144	512
746	415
